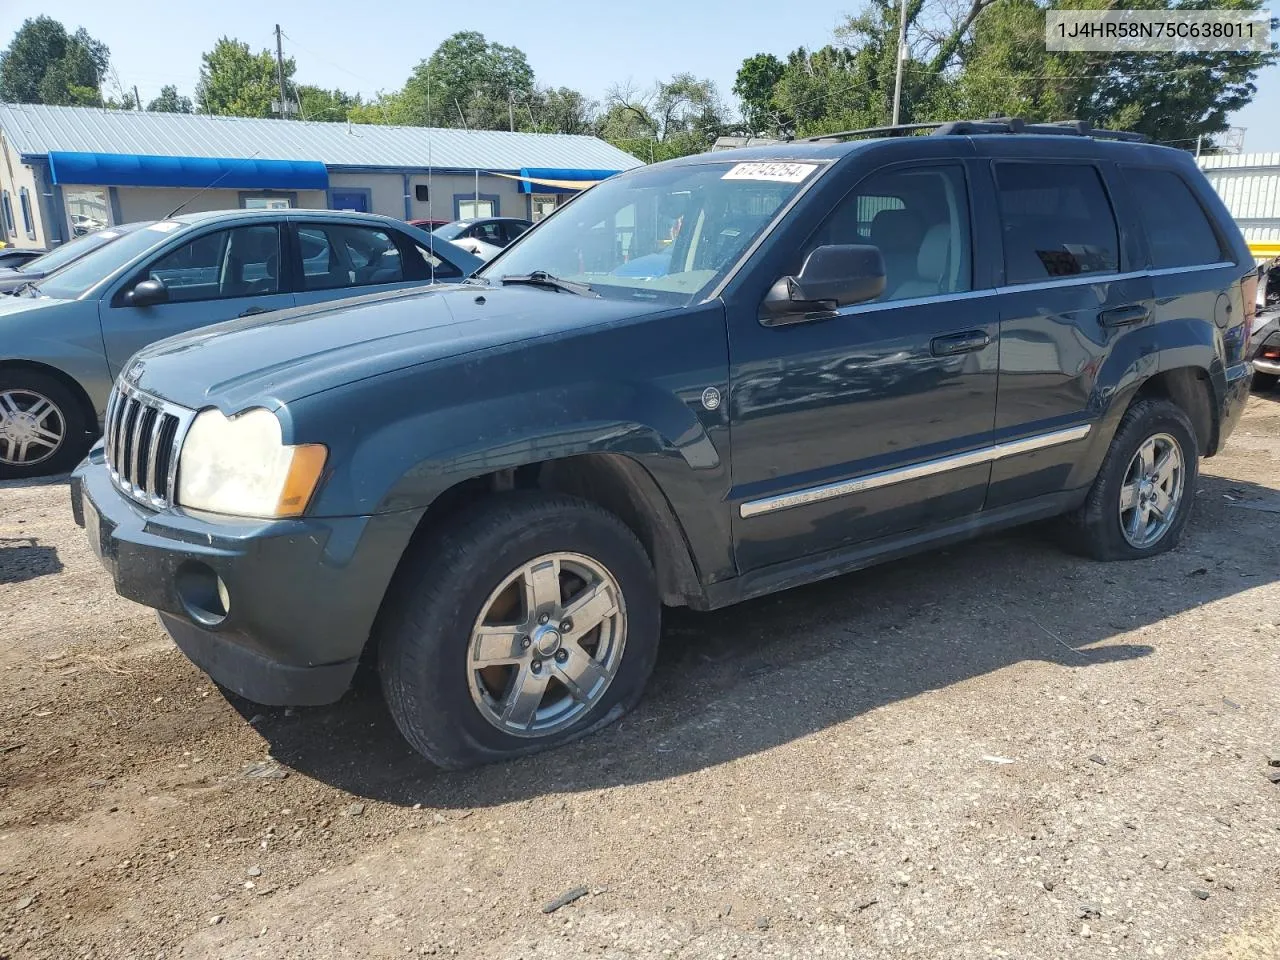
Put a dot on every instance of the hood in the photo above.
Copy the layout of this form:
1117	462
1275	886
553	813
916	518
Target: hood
24	306
274	359
13	279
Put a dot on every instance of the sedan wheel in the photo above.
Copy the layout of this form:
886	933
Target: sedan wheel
32	427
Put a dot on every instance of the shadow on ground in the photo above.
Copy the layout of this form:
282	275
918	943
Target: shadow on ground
23	558
754	676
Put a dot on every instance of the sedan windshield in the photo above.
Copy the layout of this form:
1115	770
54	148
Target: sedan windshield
659	233
78	278
65	253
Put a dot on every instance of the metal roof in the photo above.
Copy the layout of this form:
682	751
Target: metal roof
1249	185
34	130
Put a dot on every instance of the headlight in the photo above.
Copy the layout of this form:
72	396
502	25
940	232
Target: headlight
239	466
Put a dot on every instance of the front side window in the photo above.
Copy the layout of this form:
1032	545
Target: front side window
1057	221
661	234
241	262
919	218
28	221
340	255
489	232
1178	232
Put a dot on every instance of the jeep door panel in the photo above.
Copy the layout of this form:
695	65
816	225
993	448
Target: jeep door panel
875	420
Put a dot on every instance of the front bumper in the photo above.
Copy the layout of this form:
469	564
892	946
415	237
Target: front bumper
276	610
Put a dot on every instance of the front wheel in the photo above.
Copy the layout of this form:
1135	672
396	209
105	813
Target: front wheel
527	622
1141	499
43	429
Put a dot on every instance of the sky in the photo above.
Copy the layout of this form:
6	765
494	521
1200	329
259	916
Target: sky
589	46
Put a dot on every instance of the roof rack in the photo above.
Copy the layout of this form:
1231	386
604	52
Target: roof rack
969	128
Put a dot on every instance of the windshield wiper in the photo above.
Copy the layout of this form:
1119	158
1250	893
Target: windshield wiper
540	278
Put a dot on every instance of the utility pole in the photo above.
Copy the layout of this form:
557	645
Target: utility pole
284	99
136	99
902	57
511	111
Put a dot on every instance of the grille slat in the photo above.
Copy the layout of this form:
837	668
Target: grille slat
143	436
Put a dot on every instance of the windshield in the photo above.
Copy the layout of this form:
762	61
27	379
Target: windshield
661	233
450	230
76	279
61	255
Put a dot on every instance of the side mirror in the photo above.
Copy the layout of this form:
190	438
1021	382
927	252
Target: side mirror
148	293
833	276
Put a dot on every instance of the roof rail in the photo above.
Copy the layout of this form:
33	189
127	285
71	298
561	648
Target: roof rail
969	128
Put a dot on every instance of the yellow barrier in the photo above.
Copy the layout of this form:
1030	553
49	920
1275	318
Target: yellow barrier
1264	251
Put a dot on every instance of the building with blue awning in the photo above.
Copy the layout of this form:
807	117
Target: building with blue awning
66	171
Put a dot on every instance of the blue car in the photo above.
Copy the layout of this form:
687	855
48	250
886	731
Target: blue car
65	337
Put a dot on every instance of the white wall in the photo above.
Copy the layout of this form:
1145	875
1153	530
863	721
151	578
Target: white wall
154	203
386	190
13	177
511	202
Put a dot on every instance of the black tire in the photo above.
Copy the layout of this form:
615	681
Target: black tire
424	630
76	435
1264	382
1094	529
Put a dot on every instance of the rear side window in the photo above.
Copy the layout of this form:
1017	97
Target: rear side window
343	255
1178	232
1057	221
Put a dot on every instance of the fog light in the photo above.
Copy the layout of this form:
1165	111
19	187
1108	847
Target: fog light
203	593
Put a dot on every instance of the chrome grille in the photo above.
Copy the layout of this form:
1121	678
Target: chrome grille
143	435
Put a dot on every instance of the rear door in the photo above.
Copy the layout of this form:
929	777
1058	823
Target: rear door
1076	316
211	276
338	260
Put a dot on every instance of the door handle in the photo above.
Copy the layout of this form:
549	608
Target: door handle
253	311
1124	316
966	342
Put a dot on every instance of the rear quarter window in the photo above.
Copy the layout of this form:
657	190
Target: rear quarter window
1179	233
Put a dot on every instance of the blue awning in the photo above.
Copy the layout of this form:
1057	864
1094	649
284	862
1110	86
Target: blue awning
556	180
137	170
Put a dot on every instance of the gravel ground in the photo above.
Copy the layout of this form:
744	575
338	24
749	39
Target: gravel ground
994	750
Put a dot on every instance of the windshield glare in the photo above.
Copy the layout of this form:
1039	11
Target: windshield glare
61	255
665	233
449	230
78	278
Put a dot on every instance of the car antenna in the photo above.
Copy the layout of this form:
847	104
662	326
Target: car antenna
213	183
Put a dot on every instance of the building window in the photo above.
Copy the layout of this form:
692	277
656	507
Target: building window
28	221
268	201
469	206
87	209
7	202
542	205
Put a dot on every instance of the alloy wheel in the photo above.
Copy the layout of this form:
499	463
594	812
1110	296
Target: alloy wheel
32	428
1152	491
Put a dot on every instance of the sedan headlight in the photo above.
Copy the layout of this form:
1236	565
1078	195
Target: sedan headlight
240	466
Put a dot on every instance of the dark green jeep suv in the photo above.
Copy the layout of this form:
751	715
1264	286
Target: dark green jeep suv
698	382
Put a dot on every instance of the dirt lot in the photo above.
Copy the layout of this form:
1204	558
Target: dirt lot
997	750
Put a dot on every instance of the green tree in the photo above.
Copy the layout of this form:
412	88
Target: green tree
556	110
319	104
467	81
237	83
43	64
757	79
169	101
673	118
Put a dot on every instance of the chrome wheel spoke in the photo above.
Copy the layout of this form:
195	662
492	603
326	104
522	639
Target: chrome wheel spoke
1147	456
581	673
1128	496
541	585
40	409
1164	467
589	609
8	405
520	706
494	646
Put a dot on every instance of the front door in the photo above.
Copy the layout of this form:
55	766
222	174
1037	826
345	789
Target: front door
874	421
218	275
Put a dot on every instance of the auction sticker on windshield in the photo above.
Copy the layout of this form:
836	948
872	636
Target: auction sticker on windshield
777	172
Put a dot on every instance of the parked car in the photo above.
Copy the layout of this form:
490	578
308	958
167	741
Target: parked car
63	339
495	487
17	277
11	257
484	237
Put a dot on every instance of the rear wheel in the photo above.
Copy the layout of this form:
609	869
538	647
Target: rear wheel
1141	499
524	624
42	425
